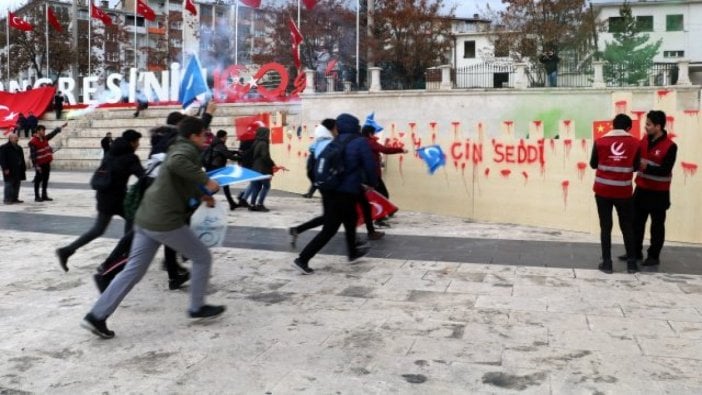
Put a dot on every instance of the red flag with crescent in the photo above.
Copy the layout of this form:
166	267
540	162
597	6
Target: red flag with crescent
19	23
190	6
380	207
297	38
53	20
34	100
97	13
144	10
251	3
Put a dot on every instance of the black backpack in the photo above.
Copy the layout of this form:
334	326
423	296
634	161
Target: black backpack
102	177
329	166
207	157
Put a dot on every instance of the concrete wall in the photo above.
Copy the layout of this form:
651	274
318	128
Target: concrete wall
550	187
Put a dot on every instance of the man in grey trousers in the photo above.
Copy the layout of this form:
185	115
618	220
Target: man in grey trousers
161	219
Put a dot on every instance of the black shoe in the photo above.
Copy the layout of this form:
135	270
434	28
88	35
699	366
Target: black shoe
38	200
382	224
243	203
605	267
18	201
207	311
376	235
307	195
262	208
625	258
302	268
101	282
233	206
293	236
361	251
47	199
97	327
63	256
177	282
8	202
632	267
651	262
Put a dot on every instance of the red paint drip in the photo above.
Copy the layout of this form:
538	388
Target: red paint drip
526	177
583	144
537	124
689	169
505	172
567	122
639	114
487	172
662	93
692	112
289	148
581	170
564	186
552	143
433	138
402	159
568	144
392	128
620	106
455	164
401	134
299	154
305	154
432	124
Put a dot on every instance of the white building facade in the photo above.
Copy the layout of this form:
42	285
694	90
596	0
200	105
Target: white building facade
677	23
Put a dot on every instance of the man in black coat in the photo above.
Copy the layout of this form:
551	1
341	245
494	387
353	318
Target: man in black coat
106	142
216	157
58	104
21	125
123	163
14	169
30	125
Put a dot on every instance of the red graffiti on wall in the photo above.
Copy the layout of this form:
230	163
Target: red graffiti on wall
402	175
689	169
433	138
662	93
289	148
505	173
392	129
456	125
692	112
620	107
509	125
537	124
581	166
465	151
487	172
521	153
567	124
583	144
552	143
568	145
432	125
481	131
526	177
565	184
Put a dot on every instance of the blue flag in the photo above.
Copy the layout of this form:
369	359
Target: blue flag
433	156
234	174
192	84
370	121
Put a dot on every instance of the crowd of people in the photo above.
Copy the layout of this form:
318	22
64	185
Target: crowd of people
344	163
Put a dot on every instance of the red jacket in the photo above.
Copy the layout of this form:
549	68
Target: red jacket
652	154
615	156
39	149
378	149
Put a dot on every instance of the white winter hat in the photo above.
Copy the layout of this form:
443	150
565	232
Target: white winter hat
322	133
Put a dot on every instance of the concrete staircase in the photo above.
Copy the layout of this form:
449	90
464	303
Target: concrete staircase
78	146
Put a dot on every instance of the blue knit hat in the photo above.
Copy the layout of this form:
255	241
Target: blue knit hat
348	124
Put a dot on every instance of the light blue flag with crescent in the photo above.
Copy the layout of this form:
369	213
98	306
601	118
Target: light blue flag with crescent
193	83
234	174
370	121
433	156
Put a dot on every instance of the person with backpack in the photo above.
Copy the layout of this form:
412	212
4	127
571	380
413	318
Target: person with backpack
216	156
120	163
162	219
262	163
343	170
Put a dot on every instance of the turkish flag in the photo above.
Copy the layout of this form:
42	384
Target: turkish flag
97	13
380	207
34	100
190	6
53	20
144	10
246	126
251	3
600	128
297	38
310	3
19	23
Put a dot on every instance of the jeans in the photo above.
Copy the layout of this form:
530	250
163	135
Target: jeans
42	178
339	208
625	212
259	191
553	79
246	193
101	223
658	216
11	192
143	250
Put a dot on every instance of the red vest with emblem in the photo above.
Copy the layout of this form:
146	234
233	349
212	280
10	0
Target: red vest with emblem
43	151
616	152
654	157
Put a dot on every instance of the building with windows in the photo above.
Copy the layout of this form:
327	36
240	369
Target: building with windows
677	23
473	41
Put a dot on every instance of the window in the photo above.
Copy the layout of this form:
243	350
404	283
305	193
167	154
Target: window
644	23
501	48
674	23
469	49
673	54
615	24
113	57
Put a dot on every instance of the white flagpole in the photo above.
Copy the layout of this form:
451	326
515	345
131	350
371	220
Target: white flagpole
7	35
90	28
236	33
358	42
136	62
298	14
168	34
46	31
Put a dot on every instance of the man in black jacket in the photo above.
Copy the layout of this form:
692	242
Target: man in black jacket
122	163
216	157
14	168
106	142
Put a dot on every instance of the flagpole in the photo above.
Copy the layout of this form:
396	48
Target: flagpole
168	34
298	14
358	43
46	32
236	33
136	63
7	35
90	30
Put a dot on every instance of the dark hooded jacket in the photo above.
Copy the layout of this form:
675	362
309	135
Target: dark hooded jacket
161	138
359	163
123	164
217	155
12	159
262	161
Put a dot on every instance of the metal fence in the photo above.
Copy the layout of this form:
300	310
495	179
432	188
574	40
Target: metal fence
485	75
653	74
571	74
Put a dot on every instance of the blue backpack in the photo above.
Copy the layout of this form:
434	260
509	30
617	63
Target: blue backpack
329	166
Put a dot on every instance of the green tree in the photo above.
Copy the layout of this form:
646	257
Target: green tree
630	56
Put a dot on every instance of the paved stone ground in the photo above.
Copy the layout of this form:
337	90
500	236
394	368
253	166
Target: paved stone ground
383	325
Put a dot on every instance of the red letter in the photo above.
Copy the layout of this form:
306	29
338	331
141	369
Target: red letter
499	156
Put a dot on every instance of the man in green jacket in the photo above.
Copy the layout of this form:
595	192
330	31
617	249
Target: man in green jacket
161	219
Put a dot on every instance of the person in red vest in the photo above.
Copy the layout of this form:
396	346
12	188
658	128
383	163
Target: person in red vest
652	195
616	156
42	155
